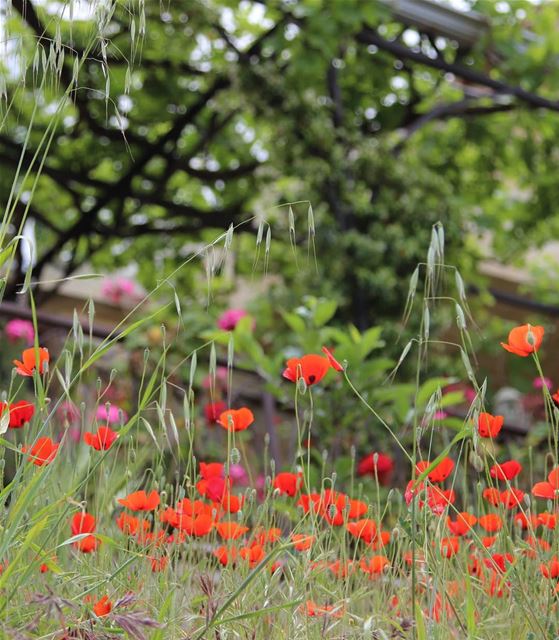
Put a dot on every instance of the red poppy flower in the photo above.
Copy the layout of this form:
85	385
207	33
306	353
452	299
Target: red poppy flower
231	503
378	464
365	530
381	540
526	522
130	524
214	488
311	368
551	569
548	520
102	607
314	610
499	561
82	523
492	495
490	522
158	563
449	546
140	501
302	542
524	340
230	530
288	483
511	498
549	489
198	526
102	440
505	470
462	525
439	473
488	426
28	362
236	419
213	410
333	362
20	413
267	536
42	452
374	566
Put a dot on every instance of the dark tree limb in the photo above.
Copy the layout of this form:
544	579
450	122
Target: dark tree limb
370	37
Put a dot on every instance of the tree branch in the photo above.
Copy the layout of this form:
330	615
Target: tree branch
370	37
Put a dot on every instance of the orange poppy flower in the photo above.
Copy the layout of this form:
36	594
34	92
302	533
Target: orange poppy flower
315	611
311	368
492	495
20	413
102	607
375	565
130	524
549	489
511	498
357	508
140	501
226	555
524	340
505	470
488	425
102	440
28	363
87	544
551	569
548	520
267	536
288	483
341	569
229	530
253	554
236	419
488	541
365	530
490	522
42	452
381	540
199	526
333	362
302	542
449	546
462	525
158	563
439	473
231	503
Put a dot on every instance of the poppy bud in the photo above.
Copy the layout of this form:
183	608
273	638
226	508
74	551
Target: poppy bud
235	456
476	461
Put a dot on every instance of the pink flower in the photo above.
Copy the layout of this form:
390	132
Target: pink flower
228	319
540	383
68	412
17	329
112	415
238	474
117	289
220	379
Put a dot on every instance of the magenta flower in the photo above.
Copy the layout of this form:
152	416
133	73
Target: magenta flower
238	474
17	329
118	289
221	379
228	319
540	383
112	415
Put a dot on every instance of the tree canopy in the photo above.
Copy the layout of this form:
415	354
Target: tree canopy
169	121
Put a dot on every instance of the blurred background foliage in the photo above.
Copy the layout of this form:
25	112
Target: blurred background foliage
190	116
